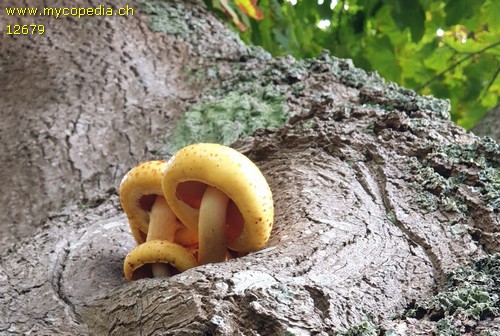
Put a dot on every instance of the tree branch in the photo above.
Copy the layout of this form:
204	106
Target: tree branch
453	66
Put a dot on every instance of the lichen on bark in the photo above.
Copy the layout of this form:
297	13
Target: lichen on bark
228	117
439	177
470	292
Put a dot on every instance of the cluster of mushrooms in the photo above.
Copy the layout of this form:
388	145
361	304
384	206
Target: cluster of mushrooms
207	204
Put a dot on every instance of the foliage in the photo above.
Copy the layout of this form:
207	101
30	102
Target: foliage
447	48
249	7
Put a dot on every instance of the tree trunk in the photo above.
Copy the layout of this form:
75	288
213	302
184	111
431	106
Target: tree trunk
489	125
378	196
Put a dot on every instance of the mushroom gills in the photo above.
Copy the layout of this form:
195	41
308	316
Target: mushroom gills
212	225
162	226
220	194
153	251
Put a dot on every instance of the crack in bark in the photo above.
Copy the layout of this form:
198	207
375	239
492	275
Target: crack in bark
381	180
57	267
303	264
321	301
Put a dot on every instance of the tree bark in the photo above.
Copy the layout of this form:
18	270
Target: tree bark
378	196
86	100
489	125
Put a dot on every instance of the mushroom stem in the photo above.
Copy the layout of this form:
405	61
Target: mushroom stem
162	225
211	226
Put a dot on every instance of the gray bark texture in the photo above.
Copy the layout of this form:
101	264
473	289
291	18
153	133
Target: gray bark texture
489	125
378	196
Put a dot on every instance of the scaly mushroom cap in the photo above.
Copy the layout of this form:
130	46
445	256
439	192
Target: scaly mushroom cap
250	211
138	191
156	251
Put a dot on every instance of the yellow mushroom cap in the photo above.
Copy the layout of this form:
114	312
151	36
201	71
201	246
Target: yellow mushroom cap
138	191
157	251
194	167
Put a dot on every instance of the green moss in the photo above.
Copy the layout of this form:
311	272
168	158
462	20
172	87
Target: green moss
484	155
307	125
363	329
201	75
471	292
253	96
286	73
445	327
244	101
225	120
376	91
174	18
430	183
446	168
81	206
423	124
165	17
490	177
392	217
427	201
454	204
478	153
370	129
430	180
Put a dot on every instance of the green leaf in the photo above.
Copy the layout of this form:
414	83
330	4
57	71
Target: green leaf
470	114
410	14
385	25
324	10
398	39
491	14
459	10
440	89
475	73
438	59
380	53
